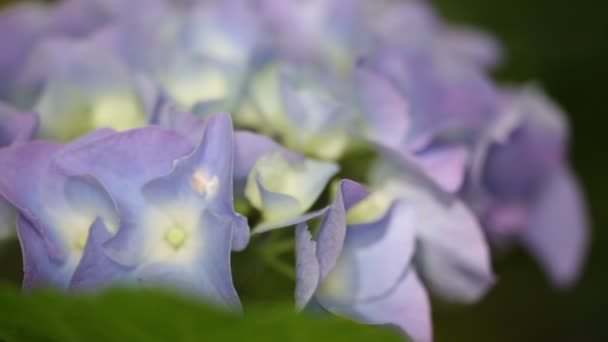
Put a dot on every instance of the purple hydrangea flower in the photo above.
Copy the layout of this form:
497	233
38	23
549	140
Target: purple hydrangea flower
195	51
177	227
301	105
364	271
55	210
78	87
444	97
139	207
390	123
23	26
523	189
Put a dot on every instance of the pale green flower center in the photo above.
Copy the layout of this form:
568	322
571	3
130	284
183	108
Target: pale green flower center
176	237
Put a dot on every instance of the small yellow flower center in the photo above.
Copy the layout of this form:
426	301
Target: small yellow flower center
81	241
176	237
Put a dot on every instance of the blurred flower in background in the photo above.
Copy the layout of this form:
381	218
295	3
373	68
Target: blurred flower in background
138	180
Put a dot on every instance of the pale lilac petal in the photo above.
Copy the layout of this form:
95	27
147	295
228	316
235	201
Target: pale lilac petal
558	232
445	165
406	306
95	270
249	147
453	254
307	267
206	174
123	162
385	110
16	127
379	253
39	270
333	227
22	167
208	274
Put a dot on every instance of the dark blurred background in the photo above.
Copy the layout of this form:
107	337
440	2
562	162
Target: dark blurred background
562	45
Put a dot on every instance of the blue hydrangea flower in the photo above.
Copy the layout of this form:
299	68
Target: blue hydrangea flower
23	26
444	97
329	32
55	210
78	87
523	189
284	190
364	271
176	229
300	106
317	79
390	123
196	52
452	253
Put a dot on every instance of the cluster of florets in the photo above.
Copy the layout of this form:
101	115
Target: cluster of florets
158	118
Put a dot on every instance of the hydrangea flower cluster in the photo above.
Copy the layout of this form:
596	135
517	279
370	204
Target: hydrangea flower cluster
131	130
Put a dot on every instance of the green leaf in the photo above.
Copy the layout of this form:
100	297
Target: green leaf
147	315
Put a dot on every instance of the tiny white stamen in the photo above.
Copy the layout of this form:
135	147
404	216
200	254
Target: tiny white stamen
204	184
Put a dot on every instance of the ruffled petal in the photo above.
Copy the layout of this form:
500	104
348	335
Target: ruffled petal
95	270
206	174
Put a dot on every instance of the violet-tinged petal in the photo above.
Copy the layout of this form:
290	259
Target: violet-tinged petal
249	147
445	165
39	270
557	233
315	260
20	28
441	169
16	127
307	267
407	306
515	168
22	167
124	162
385	110
520	184
316	122
333	226
454	256
79	87
188	125
202	268
389	242
207	171
206	174
443	93
374	281
95	270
